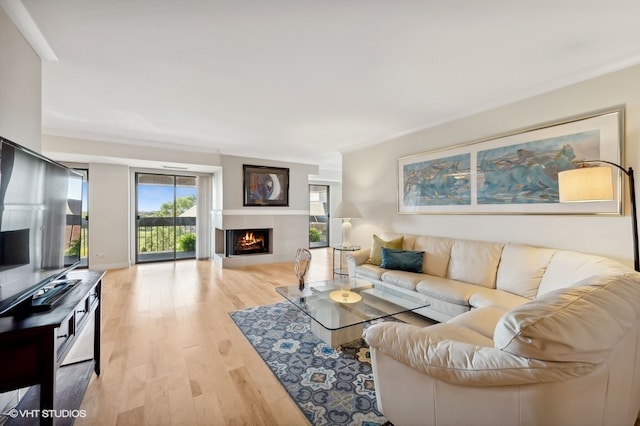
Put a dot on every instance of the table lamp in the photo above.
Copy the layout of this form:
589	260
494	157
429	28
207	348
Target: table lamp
346	211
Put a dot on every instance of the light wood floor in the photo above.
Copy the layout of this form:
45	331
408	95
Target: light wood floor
172	355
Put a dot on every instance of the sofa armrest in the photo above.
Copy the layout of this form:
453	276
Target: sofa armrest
439	352
355	258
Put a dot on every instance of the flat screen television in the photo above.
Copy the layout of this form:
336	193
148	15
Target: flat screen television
40	223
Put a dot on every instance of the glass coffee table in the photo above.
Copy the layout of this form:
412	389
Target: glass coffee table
339	308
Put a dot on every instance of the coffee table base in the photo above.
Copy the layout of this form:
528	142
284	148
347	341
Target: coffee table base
335	338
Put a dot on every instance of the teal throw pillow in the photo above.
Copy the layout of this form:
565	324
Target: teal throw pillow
403	260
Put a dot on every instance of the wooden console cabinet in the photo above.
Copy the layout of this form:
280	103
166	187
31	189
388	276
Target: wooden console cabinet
33	346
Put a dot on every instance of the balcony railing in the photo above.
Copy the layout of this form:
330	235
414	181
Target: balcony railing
156	239
167	235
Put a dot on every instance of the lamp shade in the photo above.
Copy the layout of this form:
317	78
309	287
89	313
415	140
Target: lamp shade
346	210
586	184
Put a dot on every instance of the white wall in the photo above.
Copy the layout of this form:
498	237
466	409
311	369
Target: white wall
290	224
20	87
20	106
110	187
370	175
109	213
298	183
111	243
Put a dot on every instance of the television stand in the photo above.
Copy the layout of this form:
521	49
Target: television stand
34	346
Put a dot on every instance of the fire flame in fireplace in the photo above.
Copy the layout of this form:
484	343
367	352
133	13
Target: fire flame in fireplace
250	241
249	238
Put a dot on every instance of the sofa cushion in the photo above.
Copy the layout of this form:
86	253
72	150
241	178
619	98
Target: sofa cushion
402	279
488	298
368	271
403	260
475	262
567	268
578	324
375	258
437	251
521	269
444	311
447	290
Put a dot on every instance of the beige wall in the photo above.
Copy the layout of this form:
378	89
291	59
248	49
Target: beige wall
20	87
370	175
109	213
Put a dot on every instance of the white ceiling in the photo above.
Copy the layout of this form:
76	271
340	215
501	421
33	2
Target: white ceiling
302	80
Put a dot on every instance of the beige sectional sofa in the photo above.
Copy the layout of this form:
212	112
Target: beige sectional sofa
528	336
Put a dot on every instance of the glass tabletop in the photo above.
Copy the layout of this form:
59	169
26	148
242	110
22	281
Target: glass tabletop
344	302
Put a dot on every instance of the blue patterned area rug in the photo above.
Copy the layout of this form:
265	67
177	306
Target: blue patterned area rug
331	386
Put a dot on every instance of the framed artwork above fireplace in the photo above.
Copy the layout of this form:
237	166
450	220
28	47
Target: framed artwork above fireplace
265	186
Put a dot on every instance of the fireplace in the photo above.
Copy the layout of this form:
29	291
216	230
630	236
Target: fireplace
247	241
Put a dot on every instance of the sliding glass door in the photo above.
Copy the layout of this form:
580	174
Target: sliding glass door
165	217
318	216
82	240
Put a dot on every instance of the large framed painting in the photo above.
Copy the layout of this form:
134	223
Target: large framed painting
515	173
265	186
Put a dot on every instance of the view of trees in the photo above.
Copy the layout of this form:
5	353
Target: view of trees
156	230
182	204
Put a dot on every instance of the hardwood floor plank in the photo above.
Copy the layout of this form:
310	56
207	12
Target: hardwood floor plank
133	417
157	404
133	388
208	410
182	407
258	411
102	405
200	378
172	355
287	412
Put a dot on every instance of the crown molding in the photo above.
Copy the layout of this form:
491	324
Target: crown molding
22	19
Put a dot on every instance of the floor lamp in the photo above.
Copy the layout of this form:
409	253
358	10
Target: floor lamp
594	183
346	211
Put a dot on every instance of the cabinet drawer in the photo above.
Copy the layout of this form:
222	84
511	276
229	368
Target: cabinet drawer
94	295
86	306
64	333
82	310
